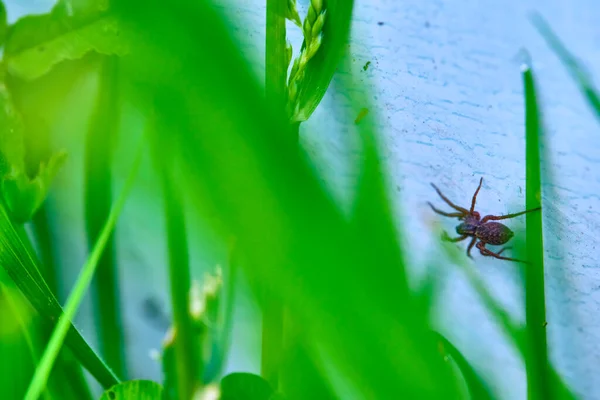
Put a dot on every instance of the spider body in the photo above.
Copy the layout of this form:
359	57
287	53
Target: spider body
481	230
494	233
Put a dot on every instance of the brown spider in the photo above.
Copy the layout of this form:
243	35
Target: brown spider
476	227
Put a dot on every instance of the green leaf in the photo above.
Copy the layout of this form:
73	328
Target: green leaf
23	195
577	71
321	67
134	390
245	386
36	43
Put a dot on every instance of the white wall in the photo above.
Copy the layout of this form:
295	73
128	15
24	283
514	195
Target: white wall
448	89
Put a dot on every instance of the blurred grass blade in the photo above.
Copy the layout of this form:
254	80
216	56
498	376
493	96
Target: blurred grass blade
243	385
535	302
100	140
506	322
276	66
17	344
577	71
21	267
187	361
36	43
3	23
216	367
294	239
514	331
320	68
373	225
134	390
83	281
20	326
478	389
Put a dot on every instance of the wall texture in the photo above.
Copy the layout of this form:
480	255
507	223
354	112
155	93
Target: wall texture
448	92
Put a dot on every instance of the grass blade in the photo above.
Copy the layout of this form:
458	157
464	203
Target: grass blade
535	302
294	239
22	268
138	390
478	389
514	331
188	366
276	64
99	144
579	74
64	323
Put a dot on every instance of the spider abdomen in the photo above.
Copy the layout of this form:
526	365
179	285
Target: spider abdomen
494	233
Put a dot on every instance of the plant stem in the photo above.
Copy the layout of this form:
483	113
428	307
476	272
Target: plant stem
275	86
180	279
537	363
97	203
188	364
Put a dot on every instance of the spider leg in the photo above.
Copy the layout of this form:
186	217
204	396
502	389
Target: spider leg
475	195
447	238
445	214
451	204
470	247
499	217
488	252
504	248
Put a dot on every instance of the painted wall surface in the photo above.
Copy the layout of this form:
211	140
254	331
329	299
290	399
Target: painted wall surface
446	82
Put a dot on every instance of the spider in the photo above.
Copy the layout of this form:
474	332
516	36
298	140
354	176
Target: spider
478	228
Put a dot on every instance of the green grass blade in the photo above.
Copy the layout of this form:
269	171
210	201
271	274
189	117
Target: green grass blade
22	268
373	225
134	390
3	23
187	351
478	389
579	74
43	238
64	323
17	342
511	328
294	239
242	385
19	319
514	331
276	64
535	302
99	146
